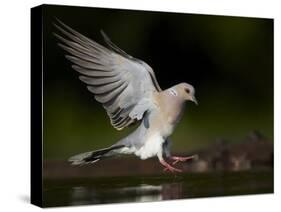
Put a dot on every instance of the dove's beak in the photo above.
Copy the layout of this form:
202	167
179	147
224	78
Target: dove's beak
193	99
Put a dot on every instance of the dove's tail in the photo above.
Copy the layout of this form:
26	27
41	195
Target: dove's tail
93	156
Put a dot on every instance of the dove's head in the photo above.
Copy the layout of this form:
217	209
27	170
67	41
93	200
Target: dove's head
186	91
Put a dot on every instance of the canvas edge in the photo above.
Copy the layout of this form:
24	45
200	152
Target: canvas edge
36	21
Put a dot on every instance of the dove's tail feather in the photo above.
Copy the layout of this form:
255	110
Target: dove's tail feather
93	156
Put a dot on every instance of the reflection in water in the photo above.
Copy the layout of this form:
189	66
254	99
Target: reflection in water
80	195
172	191
145	192
155	188
140	193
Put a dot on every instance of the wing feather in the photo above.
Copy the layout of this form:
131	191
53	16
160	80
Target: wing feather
109	98
94	73
122	84
99	81
87	64
106	89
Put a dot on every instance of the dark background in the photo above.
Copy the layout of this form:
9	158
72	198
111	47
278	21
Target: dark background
229	61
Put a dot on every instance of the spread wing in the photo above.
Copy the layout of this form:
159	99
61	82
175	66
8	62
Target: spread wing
121	83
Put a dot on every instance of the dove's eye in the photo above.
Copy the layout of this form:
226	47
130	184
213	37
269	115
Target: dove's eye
187	90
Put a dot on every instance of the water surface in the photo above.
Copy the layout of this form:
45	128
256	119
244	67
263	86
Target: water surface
80	191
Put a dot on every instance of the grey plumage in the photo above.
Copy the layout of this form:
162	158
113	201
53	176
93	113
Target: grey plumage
128	90
93	156
112	77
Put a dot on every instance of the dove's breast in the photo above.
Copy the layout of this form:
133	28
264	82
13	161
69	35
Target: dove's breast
167	114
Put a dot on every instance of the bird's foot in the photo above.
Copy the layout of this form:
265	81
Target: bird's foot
168	167
183	159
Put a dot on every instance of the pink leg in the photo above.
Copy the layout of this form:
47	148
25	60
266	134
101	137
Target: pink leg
183	159
168	167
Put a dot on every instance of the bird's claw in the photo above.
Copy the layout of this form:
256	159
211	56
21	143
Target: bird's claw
168	167
182	159
172	169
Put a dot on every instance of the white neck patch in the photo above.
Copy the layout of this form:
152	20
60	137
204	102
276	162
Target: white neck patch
173	92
